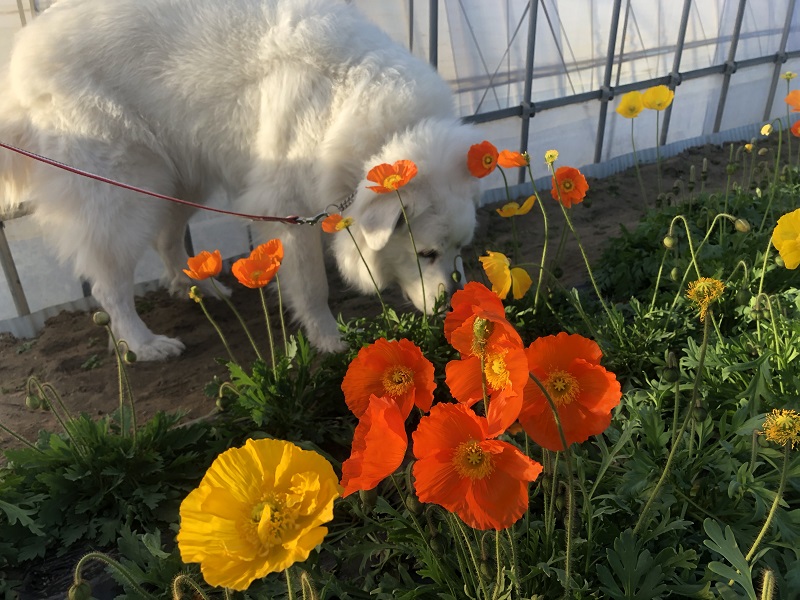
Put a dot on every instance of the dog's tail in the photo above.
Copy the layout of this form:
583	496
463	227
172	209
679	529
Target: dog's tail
15	169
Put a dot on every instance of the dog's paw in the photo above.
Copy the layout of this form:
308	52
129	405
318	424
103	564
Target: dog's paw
329	344
159	348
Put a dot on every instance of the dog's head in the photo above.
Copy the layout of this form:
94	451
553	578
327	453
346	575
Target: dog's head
440	203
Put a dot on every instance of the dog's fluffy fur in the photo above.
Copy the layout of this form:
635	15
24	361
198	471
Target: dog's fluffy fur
285	104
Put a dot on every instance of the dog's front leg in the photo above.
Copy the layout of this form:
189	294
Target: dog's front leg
304	286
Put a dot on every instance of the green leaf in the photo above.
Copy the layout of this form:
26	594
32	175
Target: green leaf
17	514
725	545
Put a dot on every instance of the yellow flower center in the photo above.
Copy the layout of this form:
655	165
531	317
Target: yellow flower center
704	292
270	520
391	181
497	374
397	380
487	160
344	223
471	461
563	387
567	185
782	427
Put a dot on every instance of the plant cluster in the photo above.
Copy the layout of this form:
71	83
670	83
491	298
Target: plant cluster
637	439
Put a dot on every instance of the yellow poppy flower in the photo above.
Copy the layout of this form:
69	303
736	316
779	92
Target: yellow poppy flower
786	238
551	156
658	97
788	75
503	278
513	209
766	129
259	509
630	105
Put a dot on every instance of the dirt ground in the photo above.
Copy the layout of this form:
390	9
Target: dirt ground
71	352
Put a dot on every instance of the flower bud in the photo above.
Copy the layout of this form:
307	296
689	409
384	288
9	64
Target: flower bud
743	297
741	225
413	504
129	357
763	151
699	413
670	242
671	374
675	274
195	294
704	171
33	402
80	591
558	272
369	498
779	261
101	318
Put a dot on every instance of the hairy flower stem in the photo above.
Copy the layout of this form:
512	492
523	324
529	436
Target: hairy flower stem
544	245
384	310
419	266
678	436
199	300
775	503
269	328
110	562
182	579
727	192
125	387
477	570
658	151
19	438
774	185
591	275
658	279
241	322
421	533
280	313
45	391
513	221
289	586
761	284
568	525
636	164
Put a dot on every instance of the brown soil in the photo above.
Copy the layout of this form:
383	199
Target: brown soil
71	352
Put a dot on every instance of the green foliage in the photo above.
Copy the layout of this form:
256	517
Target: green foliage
86	487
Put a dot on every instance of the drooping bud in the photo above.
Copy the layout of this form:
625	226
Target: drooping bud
33	402
80	591
669	242
101	318
369	498
742	226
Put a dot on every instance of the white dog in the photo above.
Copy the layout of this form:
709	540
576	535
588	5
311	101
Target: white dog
285	104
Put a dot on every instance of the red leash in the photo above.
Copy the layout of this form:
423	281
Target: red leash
292	220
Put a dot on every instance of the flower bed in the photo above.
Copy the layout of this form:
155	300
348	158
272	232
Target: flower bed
632	438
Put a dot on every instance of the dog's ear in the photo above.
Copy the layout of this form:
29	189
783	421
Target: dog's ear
378	220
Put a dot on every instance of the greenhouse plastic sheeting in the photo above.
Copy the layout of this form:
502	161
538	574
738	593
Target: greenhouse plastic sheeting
531	76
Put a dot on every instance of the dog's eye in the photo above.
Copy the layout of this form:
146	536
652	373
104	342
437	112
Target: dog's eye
429	254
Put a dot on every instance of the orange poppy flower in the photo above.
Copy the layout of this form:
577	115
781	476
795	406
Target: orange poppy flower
271	250
336	222
391	177
508	159
255	272
795	129
505	375
482	159
583	391
379	446
478	322
395	369
793	100
569	186
204	265
482	480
